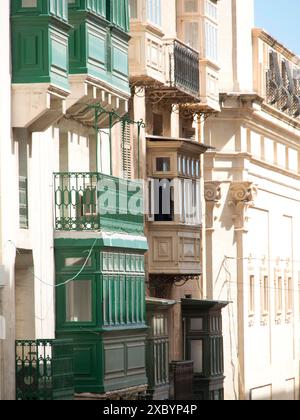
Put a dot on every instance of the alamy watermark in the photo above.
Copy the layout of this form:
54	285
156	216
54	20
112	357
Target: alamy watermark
158	199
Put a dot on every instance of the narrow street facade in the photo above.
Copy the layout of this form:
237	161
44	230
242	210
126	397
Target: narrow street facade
252	208
149	202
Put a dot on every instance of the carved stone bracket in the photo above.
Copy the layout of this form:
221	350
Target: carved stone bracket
213	196
242	197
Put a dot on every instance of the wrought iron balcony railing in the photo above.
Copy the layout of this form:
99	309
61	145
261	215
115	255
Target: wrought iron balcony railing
282	87
184	68
44	370
94	201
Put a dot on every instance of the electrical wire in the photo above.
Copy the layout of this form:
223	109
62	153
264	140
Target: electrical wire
67	281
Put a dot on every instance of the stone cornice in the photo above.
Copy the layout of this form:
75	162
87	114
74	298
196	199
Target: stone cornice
276	45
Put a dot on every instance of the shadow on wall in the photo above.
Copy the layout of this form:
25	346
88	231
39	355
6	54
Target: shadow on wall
226	218
265	393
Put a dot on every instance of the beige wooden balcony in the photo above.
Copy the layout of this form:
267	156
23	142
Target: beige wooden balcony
167	67
174	219
174	249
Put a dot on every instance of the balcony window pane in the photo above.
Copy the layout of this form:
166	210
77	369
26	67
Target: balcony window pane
197	355
190	6
164	201
198	168
163	164
193	168
154	11
29	3
78	262
211	41
79	301
191	35
184	165
188	167
179	164
197	324
183	207
211	10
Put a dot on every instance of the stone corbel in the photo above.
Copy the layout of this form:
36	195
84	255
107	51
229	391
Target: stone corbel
242	197
213	196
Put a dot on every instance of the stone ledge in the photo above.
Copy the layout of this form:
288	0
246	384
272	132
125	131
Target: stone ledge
123	394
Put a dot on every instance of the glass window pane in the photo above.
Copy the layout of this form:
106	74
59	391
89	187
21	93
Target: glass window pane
79	301
197	355
198	168
183	165
196	324
163	164
193	168
78	262
29	3
179	164
191	35
154	11
191	6
188	167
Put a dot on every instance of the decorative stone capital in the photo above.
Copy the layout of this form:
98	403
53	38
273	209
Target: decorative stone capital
213	196
241	196
212	191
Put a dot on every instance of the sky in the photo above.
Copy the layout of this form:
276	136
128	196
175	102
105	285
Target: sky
281	19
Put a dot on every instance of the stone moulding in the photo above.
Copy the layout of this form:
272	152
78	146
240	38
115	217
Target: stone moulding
213	196
242	196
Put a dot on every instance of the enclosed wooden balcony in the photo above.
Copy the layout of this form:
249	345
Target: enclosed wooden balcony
166	67
174	220
40	67
199	26
174	249
99	71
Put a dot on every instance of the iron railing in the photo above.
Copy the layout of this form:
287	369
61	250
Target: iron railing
282	88
185	72
94	201
44	370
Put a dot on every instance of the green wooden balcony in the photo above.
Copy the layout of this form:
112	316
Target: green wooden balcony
103	311
94	202
40	42
55	8
99	41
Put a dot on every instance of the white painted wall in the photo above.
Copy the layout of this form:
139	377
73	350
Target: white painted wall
235	45
261	352
8	209
43	162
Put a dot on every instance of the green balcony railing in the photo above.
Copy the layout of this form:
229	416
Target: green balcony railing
94	201
44	370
